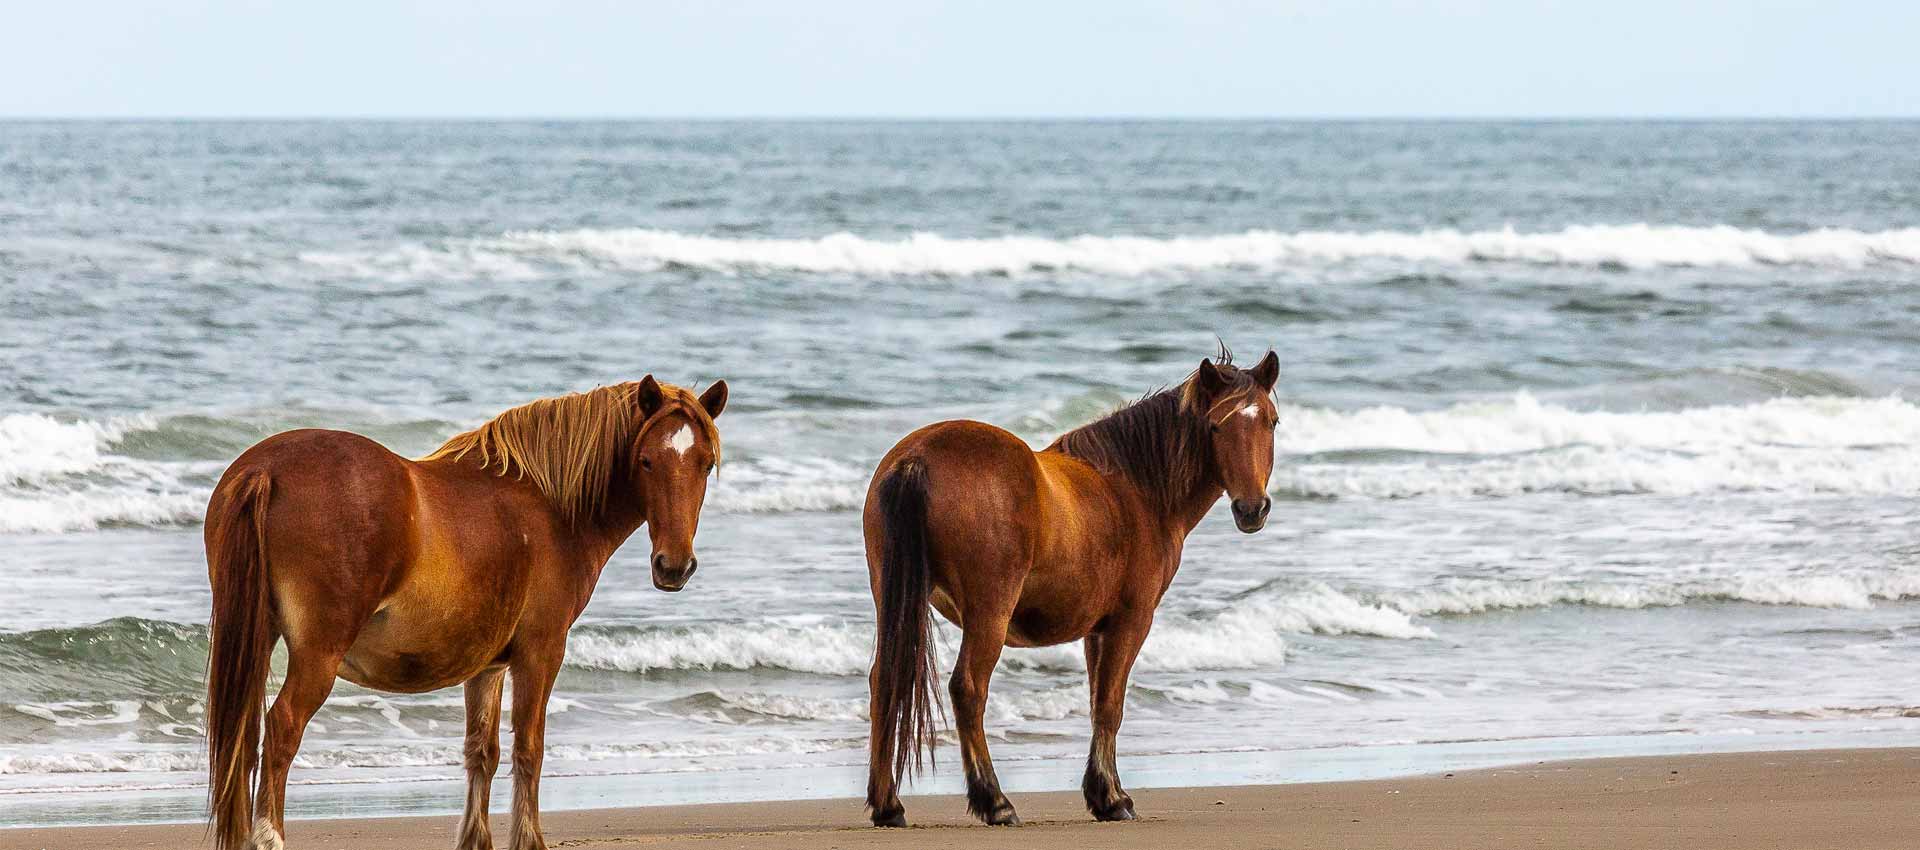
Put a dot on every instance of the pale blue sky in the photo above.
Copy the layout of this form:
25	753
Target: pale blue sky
958	59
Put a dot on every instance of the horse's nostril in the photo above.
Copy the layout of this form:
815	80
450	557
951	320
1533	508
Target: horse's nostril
692	564
1265	506
659	562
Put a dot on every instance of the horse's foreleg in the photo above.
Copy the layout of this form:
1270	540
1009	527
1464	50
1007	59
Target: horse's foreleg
482	756
979	651
532	683
1110	656
309	681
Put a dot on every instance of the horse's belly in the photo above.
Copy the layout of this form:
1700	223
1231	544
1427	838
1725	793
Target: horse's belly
1032	627
1057	606
413	654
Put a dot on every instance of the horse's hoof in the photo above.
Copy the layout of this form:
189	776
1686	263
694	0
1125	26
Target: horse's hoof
897	817
1124	812
265	837
1003	816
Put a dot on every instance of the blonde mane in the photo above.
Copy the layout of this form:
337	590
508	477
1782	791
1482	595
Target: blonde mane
569	445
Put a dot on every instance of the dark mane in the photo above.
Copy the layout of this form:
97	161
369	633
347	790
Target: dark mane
1160	443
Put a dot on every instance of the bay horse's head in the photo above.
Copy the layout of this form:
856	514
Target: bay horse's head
672	456
1241	414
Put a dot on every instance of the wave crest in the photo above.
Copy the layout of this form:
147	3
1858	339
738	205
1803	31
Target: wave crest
531	254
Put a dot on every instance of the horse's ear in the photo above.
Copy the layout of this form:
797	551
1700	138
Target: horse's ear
1209	380
715	399
649	397
1268	371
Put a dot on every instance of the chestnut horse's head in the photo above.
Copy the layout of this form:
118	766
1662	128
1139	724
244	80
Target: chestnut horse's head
675	451
1239	407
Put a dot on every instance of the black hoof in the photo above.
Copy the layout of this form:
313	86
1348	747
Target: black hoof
897	817
1002	816
1120	812
985	802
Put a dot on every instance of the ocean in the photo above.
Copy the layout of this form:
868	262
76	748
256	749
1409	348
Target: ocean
1595	437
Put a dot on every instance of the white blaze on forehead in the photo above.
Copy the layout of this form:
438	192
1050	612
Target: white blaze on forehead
681	439
1251	410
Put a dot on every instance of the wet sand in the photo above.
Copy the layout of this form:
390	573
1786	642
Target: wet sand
1804	800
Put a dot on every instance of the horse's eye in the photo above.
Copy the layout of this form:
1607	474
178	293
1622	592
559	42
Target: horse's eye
646	463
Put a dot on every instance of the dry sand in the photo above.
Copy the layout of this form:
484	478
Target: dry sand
1805	800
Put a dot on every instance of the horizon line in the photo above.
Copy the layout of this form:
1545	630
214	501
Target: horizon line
957	119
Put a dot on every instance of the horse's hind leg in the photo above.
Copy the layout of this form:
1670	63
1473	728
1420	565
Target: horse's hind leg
1110	656
984	635
883	789
482	755
309	680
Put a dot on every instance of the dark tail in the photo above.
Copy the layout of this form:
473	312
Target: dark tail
240	652
904	698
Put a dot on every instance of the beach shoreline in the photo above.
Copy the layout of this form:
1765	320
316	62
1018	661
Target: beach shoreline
1853	798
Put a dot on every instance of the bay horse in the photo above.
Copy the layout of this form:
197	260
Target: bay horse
465	566
1078	541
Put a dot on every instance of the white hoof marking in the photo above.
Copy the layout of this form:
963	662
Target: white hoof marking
265	837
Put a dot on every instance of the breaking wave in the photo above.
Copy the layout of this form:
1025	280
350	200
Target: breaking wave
531	254
65	476
1793	445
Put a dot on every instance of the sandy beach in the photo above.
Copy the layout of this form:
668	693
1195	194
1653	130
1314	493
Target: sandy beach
1853	799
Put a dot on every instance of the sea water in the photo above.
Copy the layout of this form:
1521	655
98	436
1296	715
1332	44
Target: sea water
1596	434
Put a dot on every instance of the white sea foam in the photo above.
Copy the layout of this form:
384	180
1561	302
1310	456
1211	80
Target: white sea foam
1846	590
111	713
35	448
527	254
60	476
93	507
1589	471
782	484
828	649
1522	423
1048	704
1250	633
1236	641
1520	445
66	476
142	761
1516	445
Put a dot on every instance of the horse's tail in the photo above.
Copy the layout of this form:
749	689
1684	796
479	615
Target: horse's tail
904	698
239	654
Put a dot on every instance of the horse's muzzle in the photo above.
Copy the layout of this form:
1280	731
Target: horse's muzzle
670	574
1251	516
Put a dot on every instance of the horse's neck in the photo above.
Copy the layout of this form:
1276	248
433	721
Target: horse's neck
1178	516
611	527
596	537
1194	506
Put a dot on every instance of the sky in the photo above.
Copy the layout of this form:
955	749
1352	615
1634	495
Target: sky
936	59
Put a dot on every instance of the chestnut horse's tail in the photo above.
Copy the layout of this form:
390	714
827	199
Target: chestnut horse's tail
904	698
240	652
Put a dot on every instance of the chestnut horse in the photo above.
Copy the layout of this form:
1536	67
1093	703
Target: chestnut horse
1023	548
465	566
